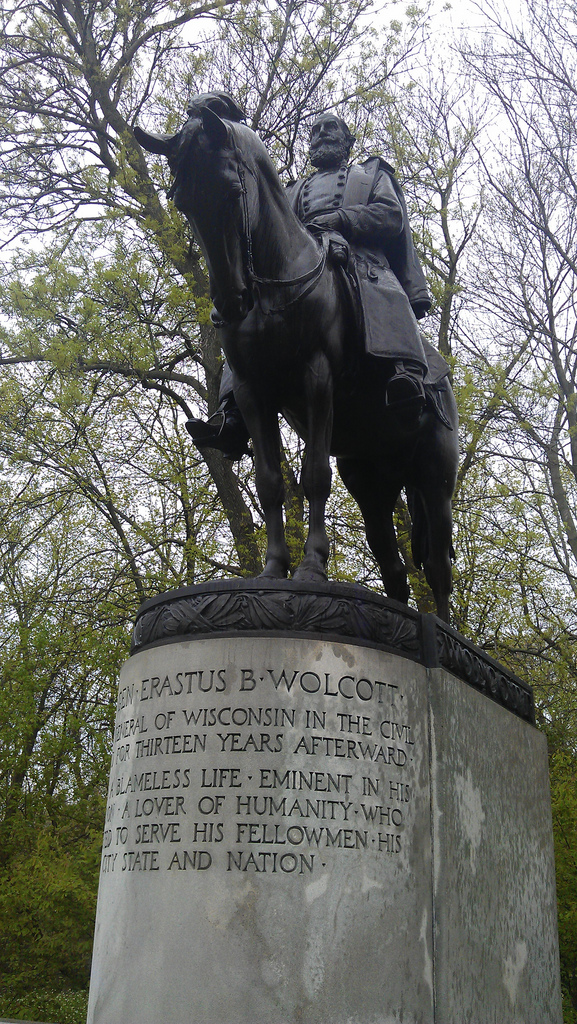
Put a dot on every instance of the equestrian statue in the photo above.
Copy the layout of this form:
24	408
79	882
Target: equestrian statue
316	291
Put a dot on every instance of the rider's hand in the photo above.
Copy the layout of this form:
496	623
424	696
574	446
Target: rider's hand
339	251
327	221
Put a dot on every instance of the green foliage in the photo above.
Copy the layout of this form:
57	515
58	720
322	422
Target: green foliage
47	906
68	1006
564	804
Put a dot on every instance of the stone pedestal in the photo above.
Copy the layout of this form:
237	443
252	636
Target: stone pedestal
323	808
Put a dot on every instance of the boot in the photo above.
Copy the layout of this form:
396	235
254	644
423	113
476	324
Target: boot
405	392
225	430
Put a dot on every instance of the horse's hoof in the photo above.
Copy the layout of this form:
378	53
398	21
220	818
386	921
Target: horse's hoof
272	573
306	574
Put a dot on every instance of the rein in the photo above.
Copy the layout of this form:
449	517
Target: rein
310	278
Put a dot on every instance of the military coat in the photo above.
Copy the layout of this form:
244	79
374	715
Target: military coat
373	219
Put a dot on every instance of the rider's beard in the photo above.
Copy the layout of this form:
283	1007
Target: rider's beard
327	154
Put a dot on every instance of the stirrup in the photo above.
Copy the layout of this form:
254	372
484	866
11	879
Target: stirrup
226	434
405	390
205	431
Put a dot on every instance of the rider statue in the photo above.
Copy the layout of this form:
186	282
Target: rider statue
362	209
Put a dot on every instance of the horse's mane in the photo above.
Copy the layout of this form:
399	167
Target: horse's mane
254	151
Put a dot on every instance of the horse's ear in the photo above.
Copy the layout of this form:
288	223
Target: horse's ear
153	143
215	128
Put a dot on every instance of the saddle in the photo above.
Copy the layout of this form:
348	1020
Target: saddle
438	370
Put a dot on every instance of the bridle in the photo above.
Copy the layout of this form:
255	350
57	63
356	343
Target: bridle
305	283
260	286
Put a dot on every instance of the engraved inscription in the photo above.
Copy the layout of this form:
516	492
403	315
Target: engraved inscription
274	769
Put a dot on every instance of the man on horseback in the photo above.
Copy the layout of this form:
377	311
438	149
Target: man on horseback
388	414
362	208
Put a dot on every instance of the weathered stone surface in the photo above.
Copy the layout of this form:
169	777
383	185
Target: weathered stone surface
496	947
284	873
309	830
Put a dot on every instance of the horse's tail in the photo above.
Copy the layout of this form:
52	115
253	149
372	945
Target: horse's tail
419	532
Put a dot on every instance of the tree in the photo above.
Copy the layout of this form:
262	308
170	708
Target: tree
524	281
527	270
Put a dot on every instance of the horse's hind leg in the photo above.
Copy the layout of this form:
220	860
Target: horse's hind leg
316	472
432	544
433	478
376	499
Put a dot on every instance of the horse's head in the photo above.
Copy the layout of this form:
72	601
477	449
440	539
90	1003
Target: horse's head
210	189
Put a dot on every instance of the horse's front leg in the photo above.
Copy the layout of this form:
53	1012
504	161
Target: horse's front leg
262	423
316	473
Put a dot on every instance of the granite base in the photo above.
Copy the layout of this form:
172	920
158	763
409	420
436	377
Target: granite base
301	829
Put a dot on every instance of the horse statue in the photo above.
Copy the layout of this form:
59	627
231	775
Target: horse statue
290	337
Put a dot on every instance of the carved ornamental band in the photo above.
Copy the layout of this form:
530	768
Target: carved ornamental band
341	612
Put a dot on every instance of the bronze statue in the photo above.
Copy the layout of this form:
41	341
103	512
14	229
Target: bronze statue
364	205
317	323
